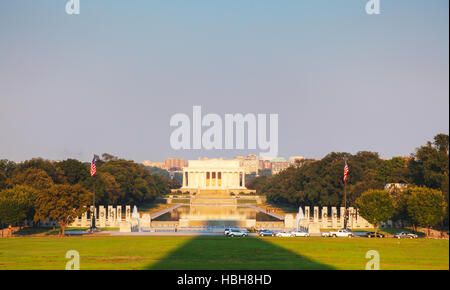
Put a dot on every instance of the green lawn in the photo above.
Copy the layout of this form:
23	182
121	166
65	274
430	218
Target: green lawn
221	253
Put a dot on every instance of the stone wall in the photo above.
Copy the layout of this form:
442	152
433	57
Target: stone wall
106	217
327	218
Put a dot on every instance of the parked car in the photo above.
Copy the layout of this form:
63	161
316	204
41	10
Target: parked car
325	234
226	231
237	233
372	235
299	234
405	235
342	233
264	233
284	234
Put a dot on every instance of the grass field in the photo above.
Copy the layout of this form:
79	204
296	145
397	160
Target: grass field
221	253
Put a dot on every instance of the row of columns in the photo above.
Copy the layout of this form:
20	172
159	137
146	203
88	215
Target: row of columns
217	179
110	216
354	219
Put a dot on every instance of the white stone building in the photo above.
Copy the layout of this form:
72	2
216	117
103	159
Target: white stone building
214	174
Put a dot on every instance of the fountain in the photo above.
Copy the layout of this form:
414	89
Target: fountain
299	217
135	215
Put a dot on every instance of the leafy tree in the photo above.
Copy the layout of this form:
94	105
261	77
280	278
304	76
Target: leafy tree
400	198
48	166
33	177
62	203
174	183
158	171
394	170
7	167
108	157
441	142
17	204
425	206
428	166
74	170
3	180
122	181
376	206
321	182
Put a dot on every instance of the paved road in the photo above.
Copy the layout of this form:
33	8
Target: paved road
275	215
161	212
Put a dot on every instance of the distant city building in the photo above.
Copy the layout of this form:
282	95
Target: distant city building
395	186
147	163
250	163
279	164
265	164
174	163
154	164
294	159
214	176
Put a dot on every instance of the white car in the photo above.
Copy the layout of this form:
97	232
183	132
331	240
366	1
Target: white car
325	234
299	234
237	233
283	234
227	231
342	233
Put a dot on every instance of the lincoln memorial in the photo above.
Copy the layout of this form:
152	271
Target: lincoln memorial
214	176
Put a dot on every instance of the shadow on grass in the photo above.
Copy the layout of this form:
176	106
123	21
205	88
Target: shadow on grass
234	253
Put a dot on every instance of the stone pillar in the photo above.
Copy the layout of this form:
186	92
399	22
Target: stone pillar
334	223
127	213
243	179
359	221
146	221
110	215
184	178
84	222
324	217
102	216
119	213
316	214
341	220
307	213
289	222
94	211
350	217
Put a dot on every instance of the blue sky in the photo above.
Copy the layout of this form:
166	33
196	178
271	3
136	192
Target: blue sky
109	79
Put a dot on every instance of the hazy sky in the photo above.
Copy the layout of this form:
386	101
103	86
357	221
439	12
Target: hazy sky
109	79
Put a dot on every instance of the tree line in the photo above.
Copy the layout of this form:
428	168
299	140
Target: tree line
320	182
39	189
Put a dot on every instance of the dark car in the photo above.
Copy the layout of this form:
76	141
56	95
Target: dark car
264	233
372	235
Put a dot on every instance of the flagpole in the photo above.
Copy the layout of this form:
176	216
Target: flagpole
345	199
93	227
93	205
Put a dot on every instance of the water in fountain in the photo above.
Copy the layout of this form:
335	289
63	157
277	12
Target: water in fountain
135	215
299	217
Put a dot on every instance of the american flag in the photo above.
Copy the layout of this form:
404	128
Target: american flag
345	171
93	167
